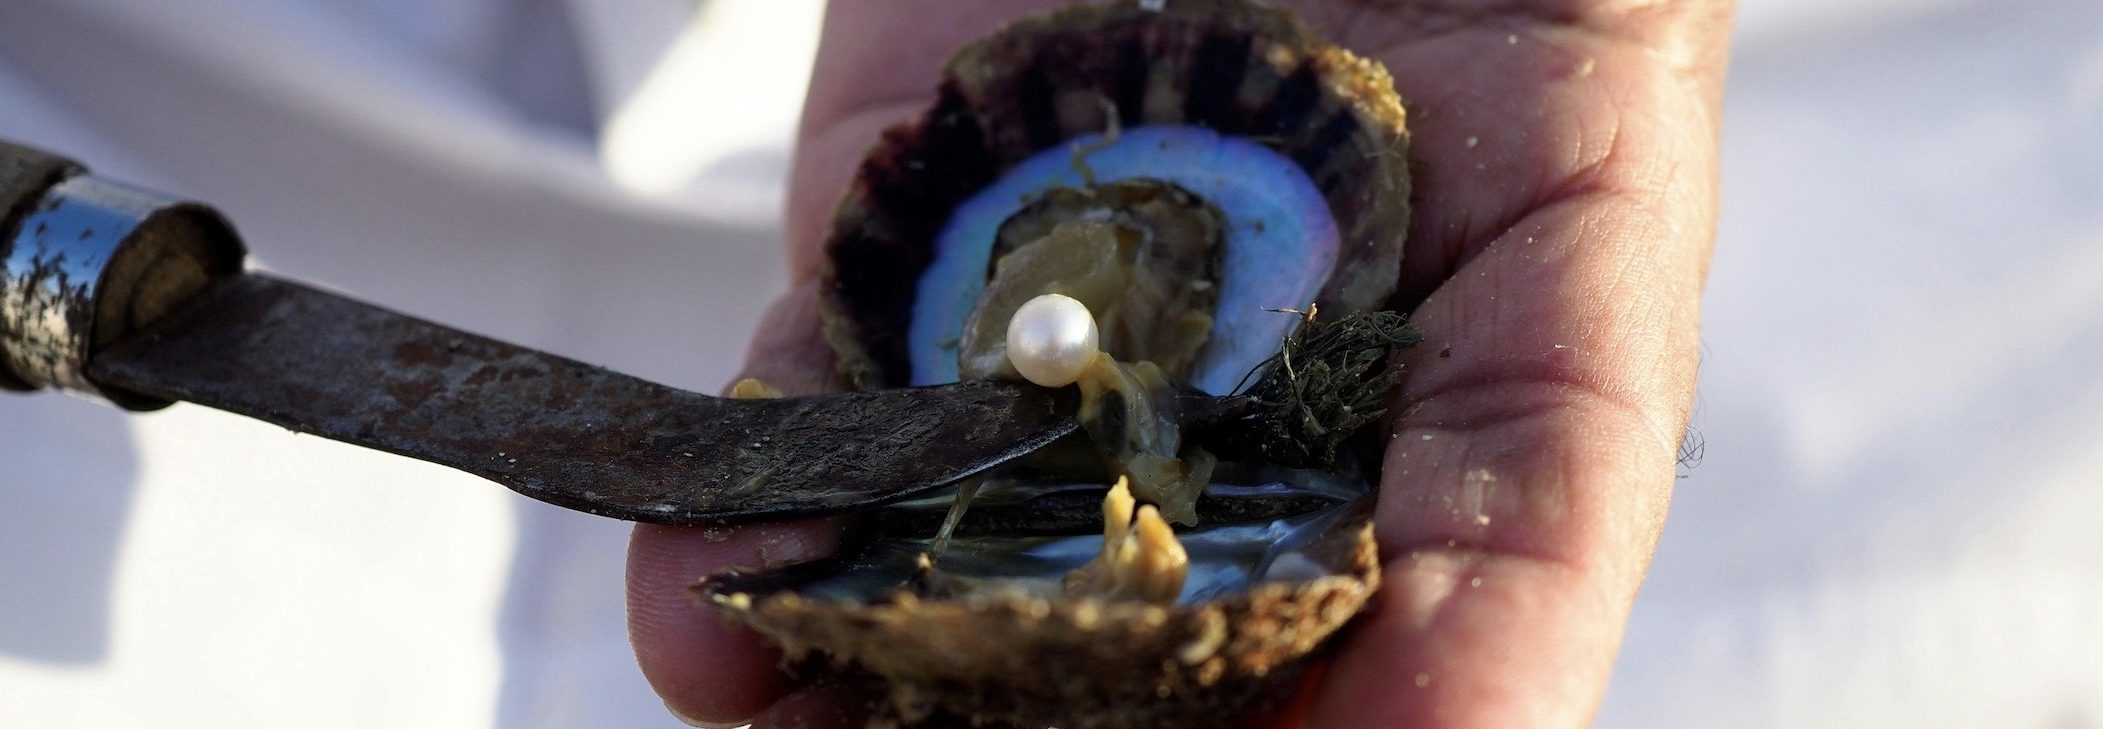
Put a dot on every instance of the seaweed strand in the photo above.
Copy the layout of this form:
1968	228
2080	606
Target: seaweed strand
1328	380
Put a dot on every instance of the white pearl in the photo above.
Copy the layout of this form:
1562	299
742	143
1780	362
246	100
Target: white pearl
1051	339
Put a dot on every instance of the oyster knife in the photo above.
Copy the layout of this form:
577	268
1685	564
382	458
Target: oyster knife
119	293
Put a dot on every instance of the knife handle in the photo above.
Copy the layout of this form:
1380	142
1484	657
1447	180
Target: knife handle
85	261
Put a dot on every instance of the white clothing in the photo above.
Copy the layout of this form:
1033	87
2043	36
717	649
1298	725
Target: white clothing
1896	522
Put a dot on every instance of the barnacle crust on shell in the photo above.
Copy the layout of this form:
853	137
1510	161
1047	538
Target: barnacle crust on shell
1108	664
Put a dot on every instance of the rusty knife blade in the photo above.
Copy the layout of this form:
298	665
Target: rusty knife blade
565	432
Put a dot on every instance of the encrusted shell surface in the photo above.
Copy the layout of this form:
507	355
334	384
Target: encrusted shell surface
1238	68
1084	663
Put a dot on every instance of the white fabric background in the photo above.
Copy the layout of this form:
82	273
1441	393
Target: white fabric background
1896	523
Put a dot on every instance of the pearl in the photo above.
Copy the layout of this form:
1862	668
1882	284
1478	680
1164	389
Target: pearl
1051	339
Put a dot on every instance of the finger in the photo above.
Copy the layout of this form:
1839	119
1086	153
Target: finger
1520	104
1523	495
704	667
1525	486
789	350
1533	461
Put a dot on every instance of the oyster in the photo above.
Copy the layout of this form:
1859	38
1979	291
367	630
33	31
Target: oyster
1222	90
1185	169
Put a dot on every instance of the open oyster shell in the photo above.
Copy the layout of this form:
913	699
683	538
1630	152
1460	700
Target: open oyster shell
1241	69
1297	152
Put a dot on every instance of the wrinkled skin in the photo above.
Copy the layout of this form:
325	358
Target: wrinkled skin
1567	199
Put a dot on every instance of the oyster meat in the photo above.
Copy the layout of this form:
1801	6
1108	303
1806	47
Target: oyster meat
1186	170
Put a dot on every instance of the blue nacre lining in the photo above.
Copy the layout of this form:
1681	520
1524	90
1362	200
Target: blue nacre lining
1281	242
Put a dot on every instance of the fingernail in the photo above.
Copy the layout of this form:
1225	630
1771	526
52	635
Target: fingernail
691	721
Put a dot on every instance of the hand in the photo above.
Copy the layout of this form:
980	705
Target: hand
1567	193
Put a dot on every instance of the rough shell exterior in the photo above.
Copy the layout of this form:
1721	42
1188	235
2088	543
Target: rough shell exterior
1079	664
1239	68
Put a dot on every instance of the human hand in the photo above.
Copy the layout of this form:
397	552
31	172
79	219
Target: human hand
1566	199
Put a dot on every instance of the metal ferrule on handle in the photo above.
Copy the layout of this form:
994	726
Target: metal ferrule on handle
85	261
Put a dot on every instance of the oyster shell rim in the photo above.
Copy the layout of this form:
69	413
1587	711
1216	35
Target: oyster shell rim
1208	661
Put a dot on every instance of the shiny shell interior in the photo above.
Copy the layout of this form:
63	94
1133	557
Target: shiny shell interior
1280	242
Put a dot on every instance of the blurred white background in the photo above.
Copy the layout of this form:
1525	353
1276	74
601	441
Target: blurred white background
1898	522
